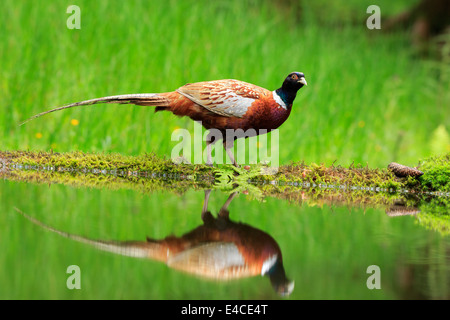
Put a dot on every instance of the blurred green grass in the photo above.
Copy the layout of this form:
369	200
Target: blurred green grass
369	98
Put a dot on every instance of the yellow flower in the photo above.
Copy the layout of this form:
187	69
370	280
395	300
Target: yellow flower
361	124
74	122
38	135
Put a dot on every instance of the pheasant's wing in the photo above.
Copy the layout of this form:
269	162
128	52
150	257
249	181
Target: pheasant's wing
220	260
230	98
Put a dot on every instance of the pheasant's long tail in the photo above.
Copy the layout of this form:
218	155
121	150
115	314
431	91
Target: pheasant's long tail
141	99
136	249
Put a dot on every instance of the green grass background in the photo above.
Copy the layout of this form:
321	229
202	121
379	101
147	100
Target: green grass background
369	98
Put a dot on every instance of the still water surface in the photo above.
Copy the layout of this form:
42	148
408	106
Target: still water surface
201	244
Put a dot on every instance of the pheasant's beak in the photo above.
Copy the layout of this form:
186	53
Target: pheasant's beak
302	80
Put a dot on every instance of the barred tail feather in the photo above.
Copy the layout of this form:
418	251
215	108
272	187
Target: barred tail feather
126	248
141	99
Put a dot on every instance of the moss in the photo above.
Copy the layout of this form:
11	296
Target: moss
91	161
358	176
147	183
436	173
435	214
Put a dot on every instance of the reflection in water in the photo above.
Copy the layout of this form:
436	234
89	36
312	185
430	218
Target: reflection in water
415	263
401	210
219	249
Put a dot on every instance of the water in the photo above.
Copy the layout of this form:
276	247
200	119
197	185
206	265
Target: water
150	237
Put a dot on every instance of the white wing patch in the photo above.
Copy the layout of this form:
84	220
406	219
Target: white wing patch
210	259
232	103
278	100
225	102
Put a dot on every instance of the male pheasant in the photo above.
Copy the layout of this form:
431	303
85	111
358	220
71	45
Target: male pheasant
218	249
224	105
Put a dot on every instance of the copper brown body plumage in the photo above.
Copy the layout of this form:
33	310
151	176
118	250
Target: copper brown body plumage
221	104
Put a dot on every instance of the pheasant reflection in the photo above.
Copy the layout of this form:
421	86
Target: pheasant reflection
219	249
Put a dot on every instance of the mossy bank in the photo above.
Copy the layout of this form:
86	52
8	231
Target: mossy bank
436	170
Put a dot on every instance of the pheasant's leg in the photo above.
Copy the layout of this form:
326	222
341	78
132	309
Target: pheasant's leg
228	145
205	204
209	161
224	210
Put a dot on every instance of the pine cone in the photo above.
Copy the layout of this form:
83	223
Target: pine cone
403	171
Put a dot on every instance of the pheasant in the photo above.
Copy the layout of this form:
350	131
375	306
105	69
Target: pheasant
223	105
219	249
